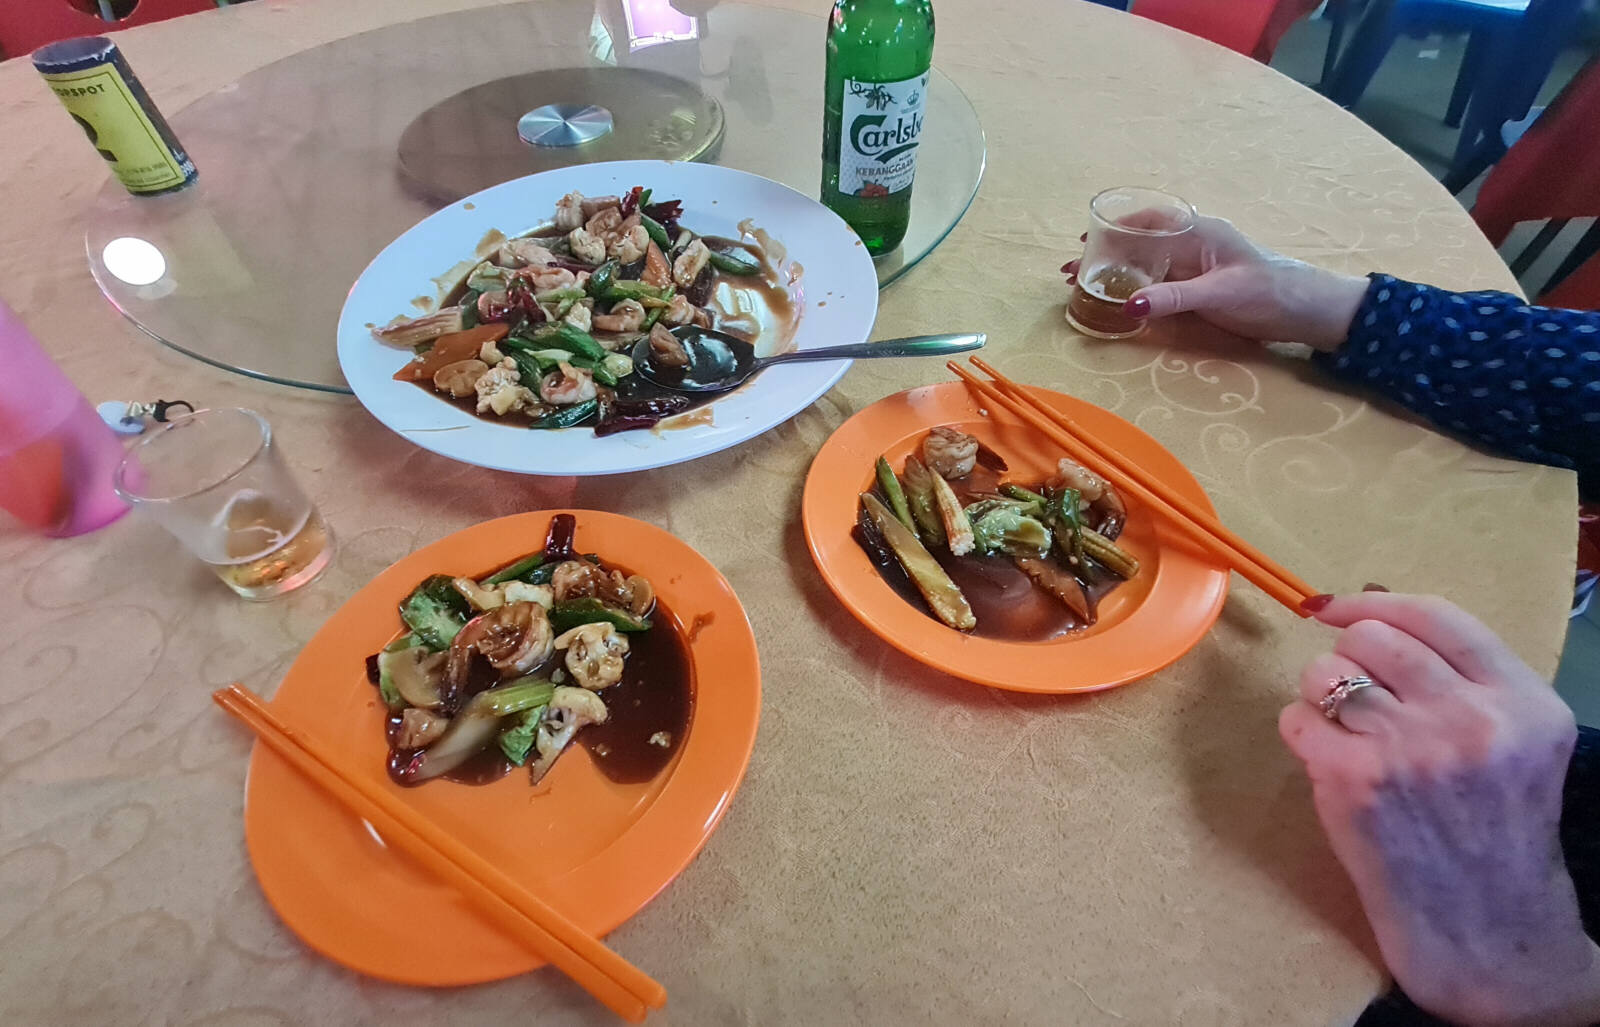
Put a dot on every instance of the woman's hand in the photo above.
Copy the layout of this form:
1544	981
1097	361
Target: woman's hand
1440	792
1242	288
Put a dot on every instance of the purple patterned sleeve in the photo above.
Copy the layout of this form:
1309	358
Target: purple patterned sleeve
1523	380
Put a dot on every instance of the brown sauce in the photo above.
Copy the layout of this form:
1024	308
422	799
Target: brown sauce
754	307
655	697
1006	602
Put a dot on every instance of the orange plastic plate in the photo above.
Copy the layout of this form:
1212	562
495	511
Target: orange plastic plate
1144	624
594	849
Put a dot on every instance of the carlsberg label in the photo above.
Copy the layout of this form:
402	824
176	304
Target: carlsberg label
878	139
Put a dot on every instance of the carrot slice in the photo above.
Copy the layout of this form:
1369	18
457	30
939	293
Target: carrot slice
447	349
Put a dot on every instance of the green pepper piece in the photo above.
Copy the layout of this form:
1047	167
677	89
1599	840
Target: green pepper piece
656	231
565	336
1038	506
895	495
573	612
632	289
651	317
514	571
568	417
469	309
602	277
603	375
729	264
1065	512
529	369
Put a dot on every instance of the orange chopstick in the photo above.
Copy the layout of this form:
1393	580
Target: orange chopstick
623	987
1202	528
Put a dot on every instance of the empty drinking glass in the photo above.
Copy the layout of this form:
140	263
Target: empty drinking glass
216	482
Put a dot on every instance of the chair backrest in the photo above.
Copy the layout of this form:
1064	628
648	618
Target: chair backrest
1252	27
1553	171
1579	290
26	25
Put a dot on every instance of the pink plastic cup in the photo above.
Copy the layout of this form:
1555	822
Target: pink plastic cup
56	454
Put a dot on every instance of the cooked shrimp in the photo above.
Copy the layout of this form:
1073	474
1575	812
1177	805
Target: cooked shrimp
575	579
481	599
950	453
569	211
567	386
486	599
492	305
1095	493
525	253
588	248
690	263
604	223
460	378
680	312
625	316
514	638
522	592
595	204
543	279
632	593
595	654
630	245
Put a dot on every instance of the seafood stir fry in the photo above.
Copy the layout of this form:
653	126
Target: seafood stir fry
504	671
950	514
541	333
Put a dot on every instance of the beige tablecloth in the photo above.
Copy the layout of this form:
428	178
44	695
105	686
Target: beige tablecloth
906	847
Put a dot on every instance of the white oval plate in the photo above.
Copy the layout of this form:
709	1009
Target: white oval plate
838	293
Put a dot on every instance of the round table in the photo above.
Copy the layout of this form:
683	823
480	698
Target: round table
906	846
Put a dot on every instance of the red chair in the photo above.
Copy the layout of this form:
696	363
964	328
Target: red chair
26	25
1552	174
1252	27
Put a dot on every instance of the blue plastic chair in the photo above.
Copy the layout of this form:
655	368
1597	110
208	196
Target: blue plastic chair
1515	66
1345	76
1510	51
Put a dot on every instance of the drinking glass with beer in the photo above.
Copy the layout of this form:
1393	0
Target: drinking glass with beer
1129	246
215	480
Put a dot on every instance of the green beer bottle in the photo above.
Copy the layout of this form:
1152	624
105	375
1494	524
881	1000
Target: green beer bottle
879	53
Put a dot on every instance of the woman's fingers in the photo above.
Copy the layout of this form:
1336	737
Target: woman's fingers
1168	298
1459	638
1369	711
1407	668
1322	745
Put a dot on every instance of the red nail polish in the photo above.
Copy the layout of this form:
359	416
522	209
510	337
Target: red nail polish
1373	586
1084	237
1315	604
1067	267
1139	306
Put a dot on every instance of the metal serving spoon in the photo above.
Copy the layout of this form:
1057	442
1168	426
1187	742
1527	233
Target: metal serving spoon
719	362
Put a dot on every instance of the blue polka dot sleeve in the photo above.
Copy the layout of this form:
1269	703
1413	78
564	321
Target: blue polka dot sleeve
1523	380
